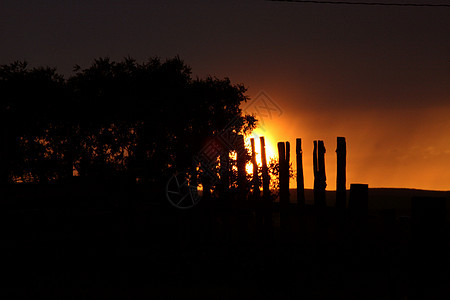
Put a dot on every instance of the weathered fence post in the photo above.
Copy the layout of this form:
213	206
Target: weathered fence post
286	172
300	180
241	154
256	191
258	206
341	193
319	174
286	183
315	173
267	199
265	170
283	159
323	177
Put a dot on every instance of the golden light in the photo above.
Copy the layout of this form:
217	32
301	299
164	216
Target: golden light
249	168
270	147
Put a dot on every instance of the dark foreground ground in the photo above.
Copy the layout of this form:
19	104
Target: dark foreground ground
131	244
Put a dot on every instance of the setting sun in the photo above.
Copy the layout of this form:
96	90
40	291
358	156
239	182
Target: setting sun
270	147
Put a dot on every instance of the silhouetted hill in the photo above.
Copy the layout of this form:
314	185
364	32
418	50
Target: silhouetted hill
379	198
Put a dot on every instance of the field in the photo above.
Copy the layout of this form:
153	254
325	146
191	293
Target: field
133	244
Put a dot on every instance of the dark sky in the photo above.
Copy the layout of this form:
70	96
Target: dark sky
378	75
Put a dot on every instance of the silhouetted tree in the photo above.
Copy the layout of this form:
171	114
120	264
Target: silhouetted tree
163	115
144	120
30	101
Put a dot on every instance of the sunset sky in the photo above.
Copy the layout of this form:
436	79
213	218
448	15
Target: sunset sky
379	76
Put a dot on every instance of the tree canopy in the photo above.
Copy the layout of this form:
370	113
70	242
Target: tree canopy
145	120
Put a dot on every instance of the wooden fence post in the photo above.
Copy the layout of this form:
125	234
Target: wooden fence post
283	160
286	171
322	174
316	174
241	155
341	193
256	191
319	174
281	164
300	180
265	171
267	199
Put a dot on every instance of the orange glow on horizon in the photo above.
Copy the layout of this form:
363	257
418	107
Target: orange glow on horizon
398	152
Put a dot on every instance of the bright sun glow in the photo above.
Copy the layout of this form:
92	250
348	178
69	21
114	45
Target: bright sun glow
270	147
